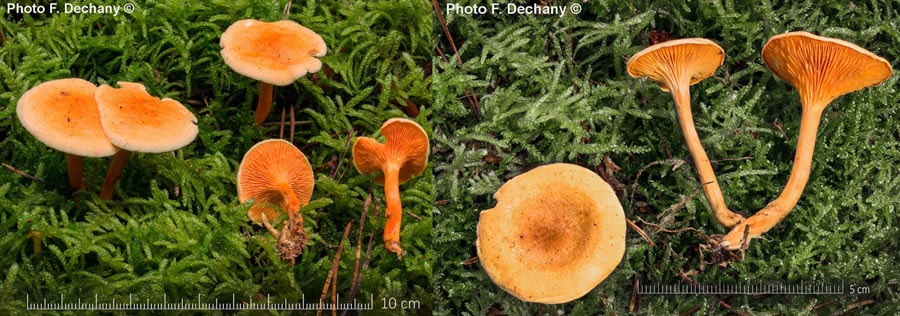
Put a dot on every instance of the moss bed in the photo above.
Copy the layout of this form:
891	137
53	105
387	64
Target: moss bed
554	89
175	227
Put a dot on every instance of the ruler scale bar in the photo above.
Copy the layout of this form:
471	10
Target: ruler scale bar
199	305
741	289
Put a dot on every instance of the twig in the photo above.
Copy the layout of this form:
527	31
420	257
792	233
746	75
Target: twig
358	282
281	131
357	279
473	100
286	123
343	155
635	305
292	124
732	159
470	261
377	209
332	274
335	282
368	256
287	11
441	53
691	311
855	306
745	241
440	15
683	201
36	179
647	166
417	217
368	253
723	303
666	230
822	305
778	126
640	232
687	276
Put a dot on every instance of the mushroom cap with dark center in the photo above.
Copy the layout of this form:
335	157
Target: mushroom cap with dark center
823	68
136	121
668	62
556	232
265	167
406	146
63	115
277	53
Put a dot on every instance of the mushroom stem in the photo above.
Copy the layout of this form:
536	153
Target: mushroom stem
394	212
75	167
264	104
115	170
36	238
291	207
269	227
774	212
682	96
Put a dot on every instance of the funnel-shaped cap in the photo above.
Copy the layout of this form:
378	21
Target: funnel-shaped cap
823	68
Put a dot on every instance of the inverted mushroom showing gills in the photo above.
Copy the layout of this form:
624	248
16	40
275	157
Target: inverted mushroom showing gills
821	69
403	155
63	115
278	178
275	53
675	66
135	121
556	232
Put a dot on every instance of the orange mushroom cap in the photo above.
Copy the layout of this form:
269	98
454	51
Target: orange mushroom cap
266	168
823	68
276	53
63	115
666	63
406	145
136	121
556	232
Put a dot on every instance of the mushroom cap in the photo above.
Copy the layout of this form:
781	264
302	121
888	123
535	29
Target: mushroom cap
556	232
136	121
267	164
406	145
665	63
276	53
823	68
63	115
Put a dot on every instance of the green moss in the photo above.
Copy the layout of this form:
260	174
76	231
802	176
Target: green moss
555	90
175	225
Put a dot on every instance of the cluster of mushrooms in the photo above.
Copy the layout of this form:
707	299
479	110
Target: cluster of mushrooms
558	230
274	173
78	118
820	68
82	120
277	176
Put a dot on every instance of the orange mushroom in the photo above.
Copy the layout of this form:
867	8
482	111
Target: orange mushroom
556	232
63	115
403	155
675	66
136	121
277	177
276	53
821	69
